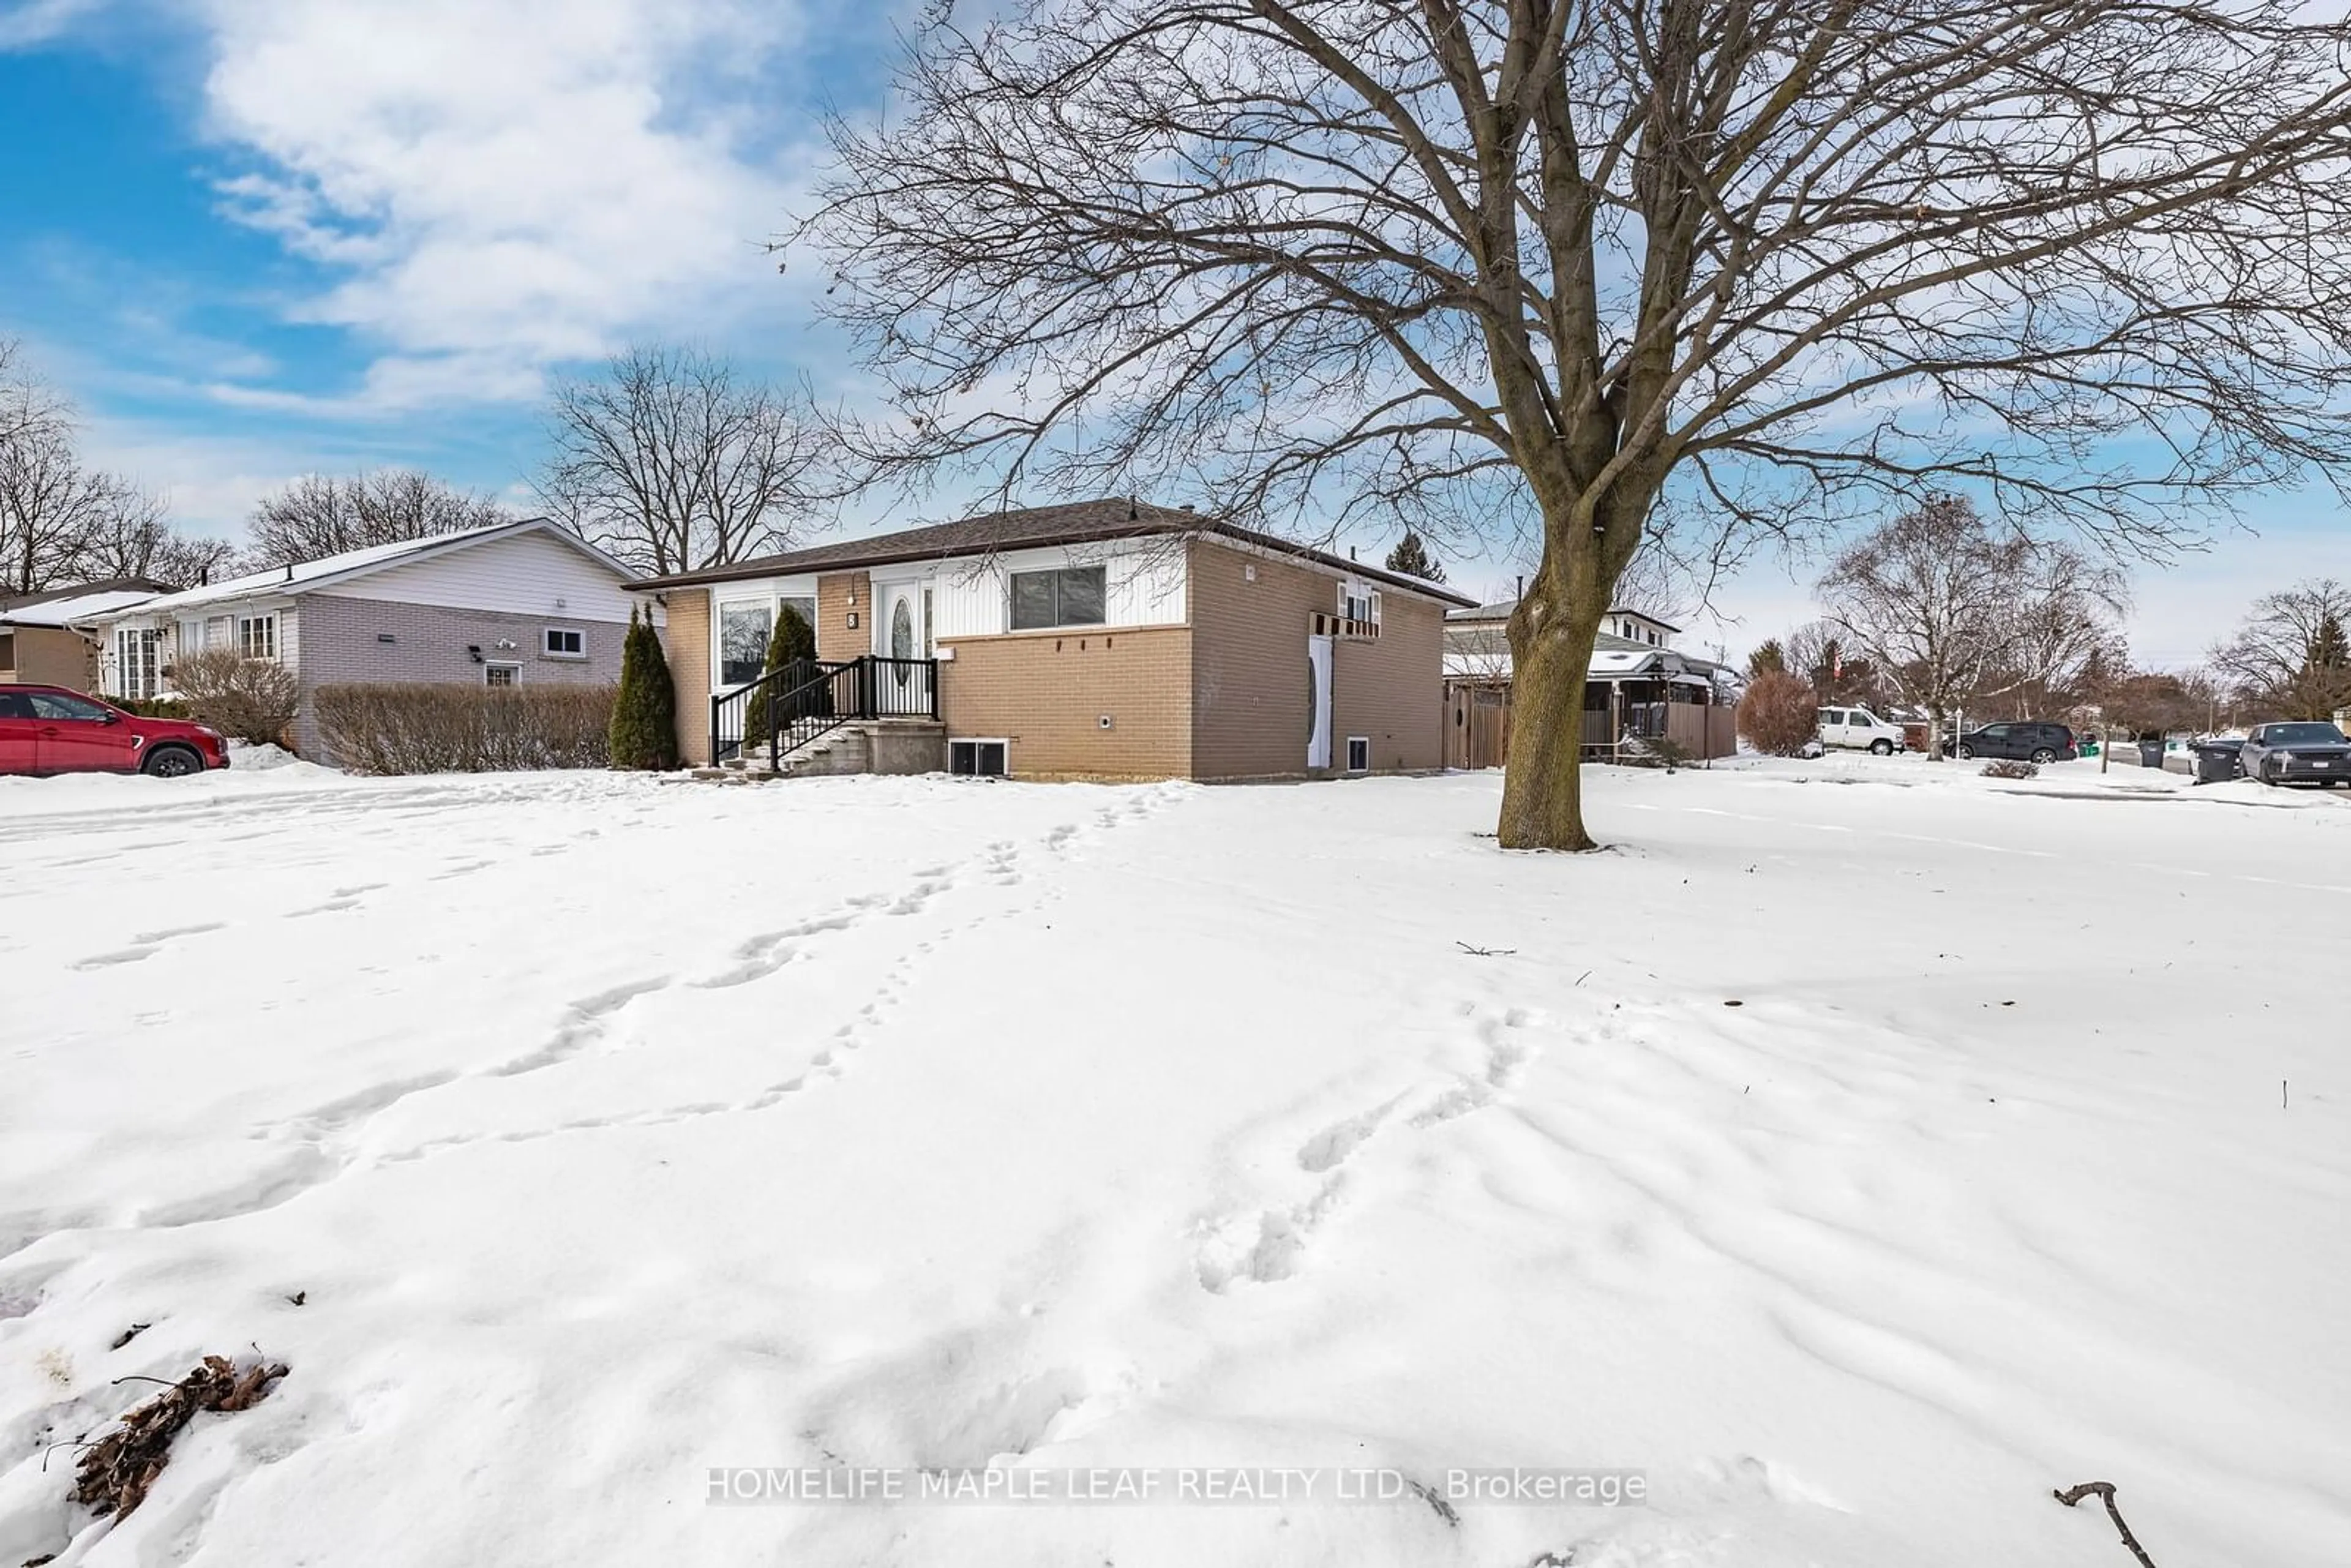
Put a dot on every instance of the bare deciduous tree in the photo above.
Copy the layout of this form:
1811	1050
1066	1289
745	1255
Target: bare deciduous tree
321	514
670	463
2159	702
2064	625
1950	610
140	541
1747	264
1819	651
2291	658
48	502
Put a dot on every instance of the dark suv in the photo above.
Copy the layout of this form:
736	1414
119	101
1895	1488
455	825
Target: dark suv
2297	754
2027	742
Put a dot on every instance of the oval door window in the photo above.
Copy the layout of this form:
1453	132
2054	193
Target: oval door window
902	639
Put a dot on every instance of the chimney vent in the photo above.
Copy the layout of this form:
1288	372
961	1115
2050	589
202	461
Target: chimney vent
1523	585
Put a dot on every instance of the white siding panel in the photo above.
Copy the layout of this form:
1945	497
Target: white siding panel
1146	584
522	574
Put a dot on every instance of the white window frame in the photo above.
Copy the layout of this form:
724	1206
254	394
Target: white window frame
244	640
138	679
548	650
513	670
976	740
1365	742
774	599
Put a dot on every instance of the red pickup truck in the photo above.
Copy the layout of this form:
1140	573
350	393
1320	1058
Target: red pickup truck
48	729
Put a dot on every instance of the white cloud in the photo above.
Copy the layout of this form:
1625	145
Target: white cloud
503	184
35	21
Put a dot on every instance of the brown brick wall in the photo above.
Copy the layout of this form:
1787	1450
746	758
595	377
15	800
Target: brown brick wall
685	642
1249	677
1391	690
1045	692
48	656
838	597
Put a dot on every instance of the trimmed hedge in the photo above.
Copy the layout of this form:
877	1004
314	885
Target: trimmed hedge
426	728
153	707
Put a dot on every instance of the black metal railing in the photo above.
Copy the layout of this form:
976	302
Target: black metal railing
789	706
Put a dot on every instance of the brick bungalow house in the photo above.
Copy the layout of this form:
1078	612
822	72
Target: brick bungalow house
517	604
1097	639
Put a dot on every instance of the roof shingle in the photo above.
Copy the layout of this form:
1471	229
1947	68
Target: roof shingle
1032	527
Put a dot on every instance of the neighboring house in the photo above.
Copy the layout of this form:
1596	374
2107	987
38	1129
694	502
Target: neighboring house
40	641
1099	639
517	603
1638	689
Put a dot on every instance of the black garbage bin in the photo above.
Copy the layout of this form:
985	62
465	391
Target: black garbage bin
2215	764
2150	754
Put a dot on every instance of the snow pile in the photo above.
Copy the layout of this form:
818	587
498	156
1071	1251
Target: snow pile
569	1137
268	758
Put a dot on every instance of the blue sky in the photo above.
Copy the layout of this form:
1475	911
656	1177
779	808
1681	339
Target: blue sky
255	238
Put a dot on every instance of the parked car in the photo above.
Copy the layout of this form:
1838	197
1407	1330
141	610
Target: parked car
2296	754
2024	742
1860	729
48	729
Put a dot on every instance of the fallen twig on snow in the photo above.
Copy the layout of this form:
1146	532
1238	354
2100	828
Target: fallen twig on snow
2105	1492
114	1472
1445	1510
1485	952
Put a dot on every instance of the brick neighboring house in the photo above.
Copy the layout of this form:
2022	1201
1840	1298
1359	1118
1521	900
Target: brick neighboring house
41	640
517	603
1100	640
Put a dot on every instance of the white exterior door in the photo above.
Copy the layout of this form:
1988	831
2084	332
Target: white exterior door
902	631
1318	701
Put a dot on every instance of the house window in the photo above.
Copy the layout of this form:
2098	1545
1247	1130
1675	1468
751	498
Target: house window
501	674
1359	754
1074	596
257	636
744	628
8	652
563	642
977	758
134	664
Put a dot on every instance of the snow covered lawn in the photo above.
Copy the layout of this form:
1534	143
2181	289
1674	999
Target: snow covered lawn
608	1131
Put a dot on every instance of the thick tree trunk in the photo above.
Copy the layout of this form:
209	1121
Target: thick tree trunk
1551	636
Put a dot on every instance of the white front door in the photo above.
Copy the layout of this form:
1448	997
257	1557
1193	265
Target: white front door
902	631
1318	701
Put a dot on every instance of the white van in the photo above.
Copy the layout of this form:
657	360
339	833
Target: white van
1860	729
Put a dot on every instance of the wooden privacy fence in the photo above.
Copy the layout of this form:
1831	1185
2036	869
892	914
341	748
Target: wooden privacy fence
1477	726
